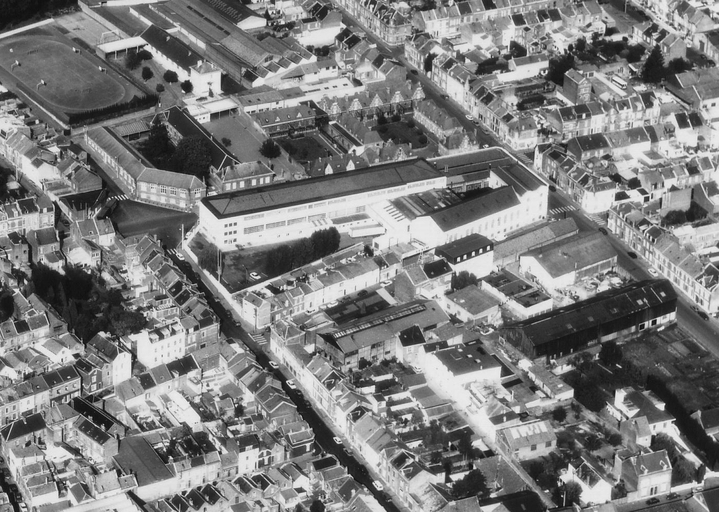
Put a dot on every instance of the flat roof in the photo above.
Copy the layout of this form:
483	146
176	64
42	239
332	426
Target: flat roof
464	359
603	307
275	196
573	254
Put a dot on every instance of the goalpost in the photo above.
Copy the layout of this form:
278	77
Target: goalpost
109	36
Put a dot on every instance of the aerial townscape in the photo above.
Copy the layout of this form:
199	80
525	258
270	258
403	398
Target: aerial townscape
359	255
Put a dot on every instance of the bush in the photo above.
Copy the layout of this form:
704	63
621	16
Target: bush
160	88
381	119
144	55
187	87
422	139
147	73
396	118
132	60
615	439
270	149
226	142
99	114
170	77
559	414
410	123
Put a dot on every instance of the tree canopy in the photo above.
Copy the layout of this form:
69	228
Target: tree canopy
472	484
270	149
158	148
290	256
463	279
610	353
193	155
653	70
84	302
187	87
170	77
16	11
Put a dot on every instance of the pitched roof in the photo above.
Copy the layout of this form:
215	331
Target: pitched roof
463	213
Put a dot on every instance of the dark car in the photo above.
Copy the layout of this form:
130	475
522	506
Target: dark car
653	501
552	188
632	255
672	496
603	231
413	71
703	315
362	293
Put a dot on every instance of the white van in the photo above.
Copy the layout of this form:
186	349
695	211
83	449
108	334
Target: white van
619	82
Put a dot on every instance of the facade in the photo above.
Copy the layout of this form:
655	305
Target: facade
294	210
696	279
137	178
473	253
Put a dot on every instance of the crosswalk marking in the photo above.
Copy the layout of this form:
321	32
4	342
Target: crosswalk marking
562	209
598	219
259	338
121	197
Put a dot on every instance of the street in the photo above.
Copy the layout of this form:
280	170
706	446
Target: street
431	91
323	433
704	331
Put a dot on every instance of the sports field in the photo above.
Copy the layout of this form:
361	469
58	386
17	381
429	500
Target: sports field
72	80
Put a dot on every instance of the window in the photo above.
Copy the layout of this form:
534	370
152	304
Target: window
173	191
163	189
548	444
533	447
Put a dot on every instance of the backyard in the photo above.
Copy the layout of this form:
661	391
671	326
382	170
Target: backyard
403	132
307	148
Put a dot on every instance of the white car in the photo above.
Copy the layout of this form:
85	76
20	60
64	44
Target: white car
180	256
653	272
337	440
378	485
291	384
469	117
274	365
255	276
386	283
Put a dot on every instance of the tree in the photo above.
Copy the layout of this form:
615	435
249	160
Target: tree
570	493
170	77
465	447
678	65
132	60
610	353
270	149
700	474
559	414
144	55
193	155
593	443
317	506
581	45
226	142
674	218
472	484
187	87
653	69
683	472
158	148
422	139
147	73
614	439
463	279
558	68
207	259
160	88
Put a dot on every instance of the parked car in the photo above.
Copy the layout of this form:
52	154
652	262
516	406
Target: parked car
672	496
377	485
652	501
552	188
337	440
291	384
603	231
255	276
652	272
274	365
362	293
413	71
469	117
632	255
180	256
